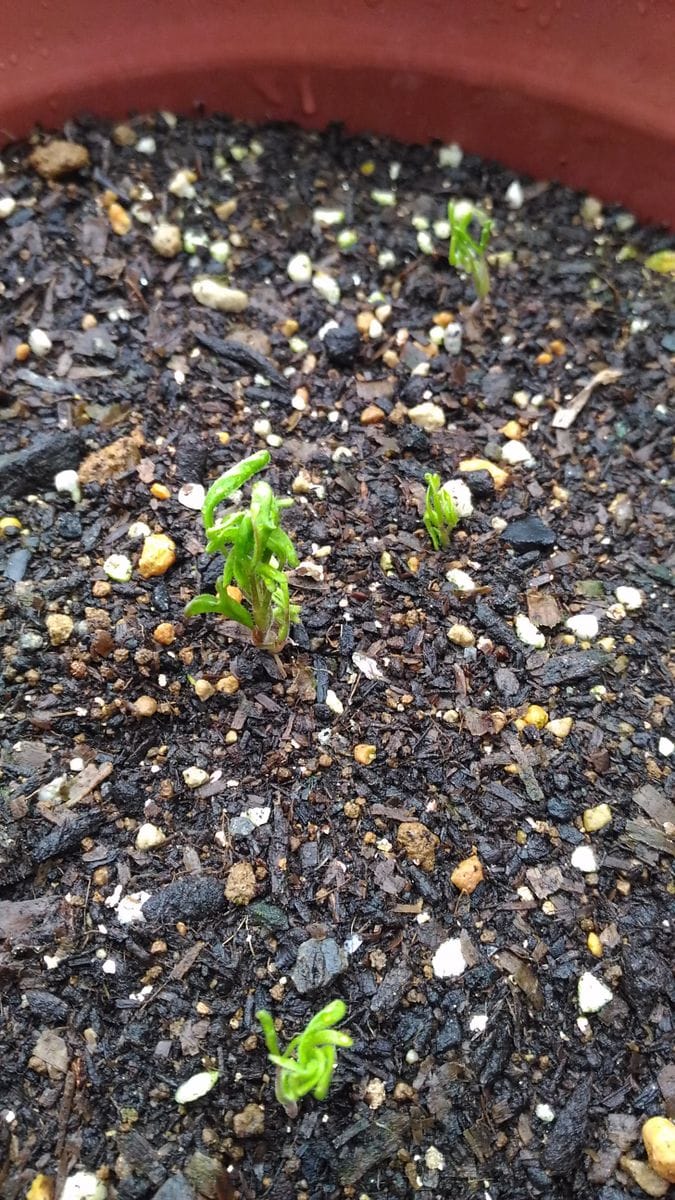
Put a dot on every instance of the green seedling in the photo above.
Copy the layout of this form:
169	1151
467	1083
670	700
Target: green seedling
465	253
308	1063
257	553
440	512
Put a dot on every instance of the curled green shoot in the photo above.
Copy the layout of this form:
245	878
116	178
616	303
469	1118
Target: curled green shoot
308	1062
465	253
440	512
256	552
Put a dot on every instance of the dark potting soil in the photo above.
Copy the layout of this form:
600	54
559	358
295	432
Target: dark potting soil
124	971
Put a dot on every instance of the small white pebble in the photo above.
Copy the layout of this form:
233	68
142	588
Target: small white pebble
425	242
452	338
384	198
109	966
427	415
262	427
592	993
216	295
274	440
67	481
334	703
461	496
220	250
299	269
451	155
138	530
326	286
196	1086
583	858
515	453
7	206
194	777
84	1185
39	342
527	632
328	216
583	625
666	747
386	259
630	597
460	580
191	495
129	908
449	962
146	145
258	815
149	836
515	195
411	1056
545	1113
434	1160
478	1023
181	184
118	567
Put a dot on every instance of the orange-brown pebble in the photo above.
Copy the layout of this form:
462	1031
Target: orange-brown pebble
22	352
443	319
468	874
234	593
557	347
543	359
165	633
160	491
119	219
145	706
364	754
372	415
101	588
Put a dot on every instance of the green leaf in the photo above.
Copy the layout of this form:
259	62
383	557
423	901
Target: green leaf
230	482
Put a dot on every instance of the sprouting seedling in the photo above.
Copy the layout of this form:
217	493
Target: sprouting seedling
440	512
308	1063
256	551
465	253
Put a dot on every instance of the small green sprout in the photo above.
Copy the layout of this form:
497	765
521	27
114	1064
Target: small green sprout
308	1063
445	505
465	253
256	552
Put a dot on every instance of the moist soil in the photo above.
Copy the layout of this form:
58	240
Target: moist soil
488	1082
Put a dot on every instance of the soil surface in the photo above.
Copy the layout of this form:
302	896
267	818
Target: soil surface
125	970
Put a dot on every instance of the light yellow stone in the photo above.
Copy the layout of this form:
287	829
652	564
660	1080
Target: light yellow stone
461	635
537	716
5	524
59	628
594	945
157	555
596	818
658	1135
561	727
365	754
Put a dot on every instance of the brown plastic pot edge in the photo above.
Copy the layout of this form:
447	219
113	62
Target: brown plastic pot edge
578	91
